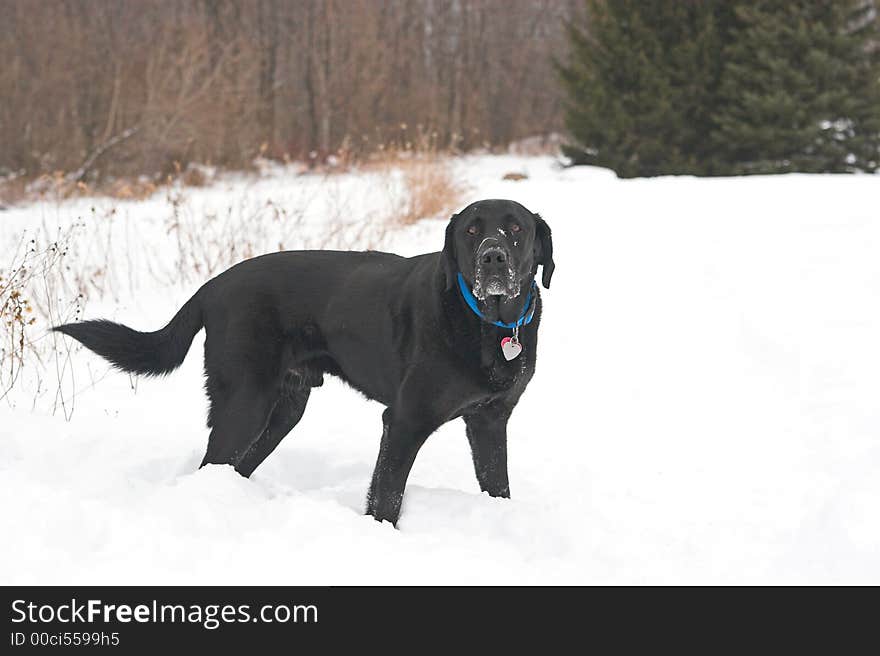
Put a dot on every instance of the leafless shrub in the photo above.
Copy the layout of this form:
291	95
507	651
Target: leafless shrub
210	243
16	317
29	301
194	177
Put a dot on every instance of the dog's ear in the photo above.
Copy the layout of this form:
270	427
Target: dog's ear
450	267
544	249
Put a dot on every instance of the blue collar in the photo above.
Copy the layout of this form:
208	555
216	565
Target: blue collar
524	319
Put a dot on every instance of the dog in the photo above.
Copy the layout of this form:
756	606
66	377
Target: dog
432	338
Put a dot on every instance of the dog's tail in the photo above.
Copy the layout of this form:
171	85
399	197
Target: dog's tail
150	354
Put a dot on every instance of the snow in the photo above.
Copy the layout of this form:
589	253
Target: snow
706	407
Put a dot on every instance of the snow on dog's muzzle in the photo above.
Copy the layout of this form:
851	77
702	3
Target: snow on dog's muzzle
493	273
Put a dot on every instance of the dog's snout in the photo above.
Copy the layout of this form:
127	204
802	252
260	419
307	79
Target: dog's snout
493	274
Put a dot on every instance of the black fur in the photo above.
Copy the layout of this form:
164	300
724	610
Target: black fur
148	354
394	328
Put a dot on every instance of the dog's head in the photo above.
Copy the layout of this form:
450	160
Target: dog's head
497	246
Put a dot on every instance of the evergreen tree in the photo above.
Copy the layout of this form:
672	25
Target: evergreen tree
801	88
641	85
718	87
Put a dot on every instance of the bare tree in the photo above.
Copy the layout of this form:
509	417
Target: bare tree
222	80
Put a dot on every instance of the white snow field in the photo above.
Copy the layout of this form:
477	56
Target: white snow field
706	406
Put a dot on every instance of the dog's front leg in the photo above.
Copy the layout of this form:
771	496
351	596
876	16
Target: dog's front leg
402	437
487	433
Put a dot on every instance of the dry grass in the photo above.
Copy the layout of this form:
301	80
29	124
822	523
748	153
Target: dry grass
209	243
419	175
131	189
58	186
416	171
431	189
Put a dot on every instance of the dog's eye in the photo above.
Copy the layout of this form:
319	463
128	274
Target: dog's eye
472	229
516	227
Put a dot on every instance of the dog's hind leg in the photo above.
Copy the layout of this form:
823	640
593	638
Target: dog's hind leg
287	413
237	424
295	390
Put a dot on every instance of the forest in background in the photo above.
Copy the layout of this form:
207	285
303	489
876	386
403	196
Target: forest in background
143	86
98	90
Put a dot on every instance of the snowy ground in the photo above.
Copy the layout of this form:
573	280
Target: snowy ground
706	407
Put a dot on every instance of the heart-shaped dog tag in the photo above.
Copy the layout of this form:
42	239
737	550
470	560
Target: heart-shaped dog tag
510	348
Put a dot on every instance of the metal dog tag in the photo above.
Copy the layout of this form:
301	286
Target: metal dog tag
510	348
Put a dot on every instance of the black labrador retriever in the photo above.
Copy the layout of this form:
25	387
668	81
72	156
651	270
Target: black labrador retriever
432	337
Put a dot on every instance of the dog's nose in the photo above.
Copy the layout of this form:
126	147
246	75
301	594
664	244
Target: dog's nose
497	255
493	260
